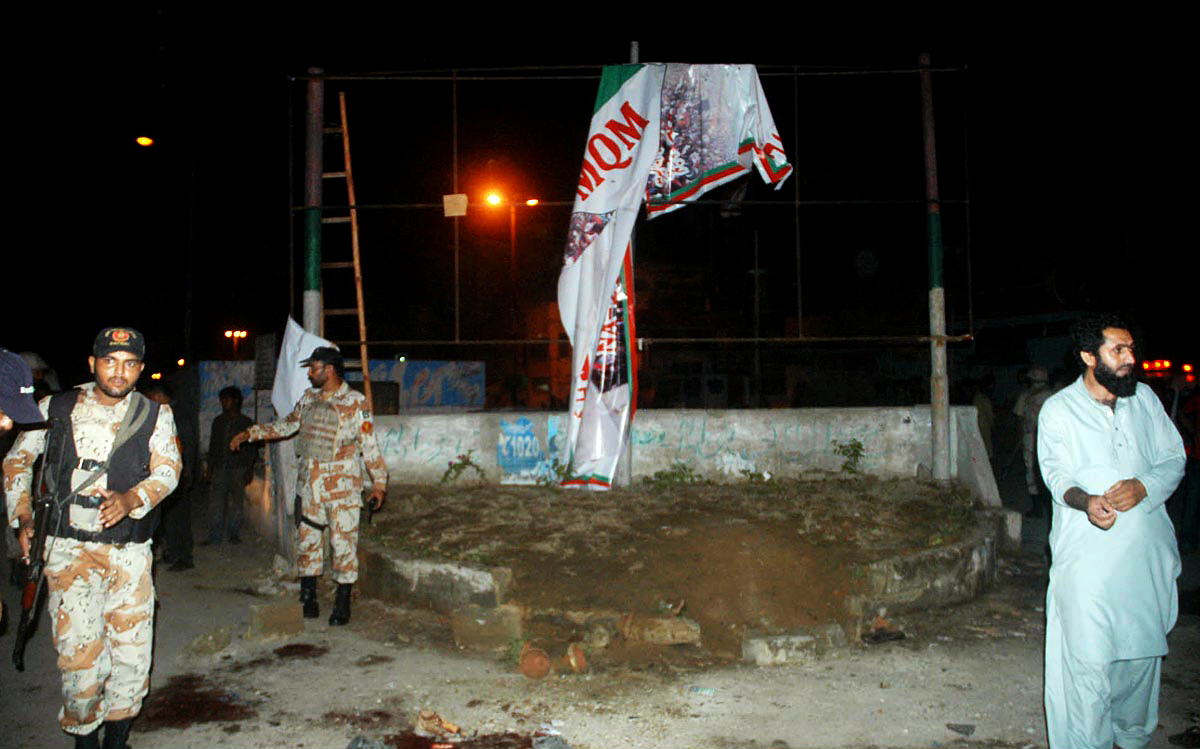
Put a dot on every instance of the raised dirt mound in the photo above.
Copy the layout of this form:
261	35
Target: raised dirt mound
774	555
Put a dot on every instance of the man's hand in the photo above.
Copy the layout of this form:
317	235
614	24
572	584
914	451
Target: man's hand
237	440
375	501
25	536
1125	494
117	505
1100	512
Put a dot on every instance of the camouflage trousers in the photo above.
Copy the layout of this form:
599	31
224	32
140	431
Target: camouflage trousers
333	499
101	607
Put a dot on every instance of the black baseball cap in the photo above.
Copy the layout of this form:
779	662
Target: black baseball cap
16	389
119	339
325	354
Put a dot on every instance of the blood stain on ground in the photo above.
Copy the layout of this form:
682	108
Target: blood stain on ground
301	650
190	699
244	590
410	740
262	660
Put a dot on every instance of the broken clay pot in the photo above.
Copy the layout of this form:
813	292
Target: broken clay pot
534	662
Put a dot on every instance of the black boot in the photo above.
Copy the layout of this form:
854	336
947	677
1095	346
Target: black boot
88	740
341	605
308	597
116	733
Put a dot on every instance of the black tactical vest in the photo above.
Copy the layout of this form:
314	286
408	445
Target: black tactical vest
129	464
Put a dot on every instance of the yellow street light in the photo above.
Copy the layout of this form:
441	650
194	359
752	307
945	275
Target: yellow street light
494	198
531	202
145	140
180	362
235	336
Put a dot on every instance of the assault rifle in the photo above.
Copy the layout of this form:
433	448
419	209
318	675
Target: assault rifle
42	510
47	508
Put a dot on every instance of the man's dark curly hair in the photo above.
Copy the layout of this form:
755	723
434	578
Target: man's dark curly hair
233	393
1088	333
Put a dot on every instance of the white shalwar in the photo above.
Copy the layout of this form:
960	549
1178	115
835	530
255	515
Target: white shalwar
1112	597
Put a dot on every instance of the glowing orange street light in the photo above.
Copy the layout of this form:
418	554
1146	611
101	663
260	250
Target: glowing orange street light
180	362
494	198
1187	367
235	336
145	140
156	376
531	202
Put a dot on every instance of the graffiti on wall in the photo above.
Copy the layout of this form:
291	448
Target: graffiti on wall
414	444
433	384
734	447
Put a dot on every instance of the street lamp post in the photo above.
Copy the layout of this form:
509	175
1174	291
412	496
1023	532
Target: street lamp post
496	199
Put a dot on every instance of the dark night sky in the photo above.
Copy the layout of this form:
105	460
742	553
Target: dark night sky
1073	161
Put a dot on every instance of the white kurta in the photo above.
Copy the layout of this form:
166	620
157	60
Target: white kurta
1113	591
1112	597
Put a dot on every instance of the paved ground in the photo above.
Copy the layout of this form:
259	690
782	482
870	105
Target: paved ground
975	666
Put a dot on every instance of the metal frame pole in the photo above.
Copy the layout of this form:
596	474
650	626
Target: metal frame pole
939	380
313	166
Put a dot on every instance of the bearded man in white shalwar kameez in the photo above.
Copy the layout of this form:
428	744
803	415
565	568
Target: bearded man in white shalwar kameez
1110	457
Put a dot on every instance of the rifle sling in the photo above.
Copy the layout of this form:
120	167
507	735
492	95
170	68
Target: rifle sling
135	417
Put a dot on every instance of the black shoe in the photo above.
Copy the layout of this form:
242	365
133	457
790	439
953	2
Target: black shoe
235	540
88	740
308	597
341	606
116	733
181	565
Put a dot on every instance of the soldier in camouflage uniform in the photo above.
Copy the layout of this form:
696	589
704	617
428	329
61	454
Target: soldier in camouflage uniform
1030	408
335	428
111	456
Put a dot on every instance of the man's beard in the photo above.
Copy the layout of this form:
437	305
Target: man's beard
113	392
1121	386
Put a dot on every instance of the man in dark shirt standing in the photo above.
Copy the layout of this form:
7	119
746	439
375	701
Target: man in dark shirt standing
229	471
176	531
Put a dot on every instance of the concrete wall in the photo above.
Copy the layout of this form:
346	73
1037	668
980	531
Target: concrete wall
520	448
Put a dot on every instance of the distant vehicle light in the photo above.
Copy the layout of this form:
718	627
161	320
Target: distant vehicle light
1186	367
144	140
1146	365
1166	363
